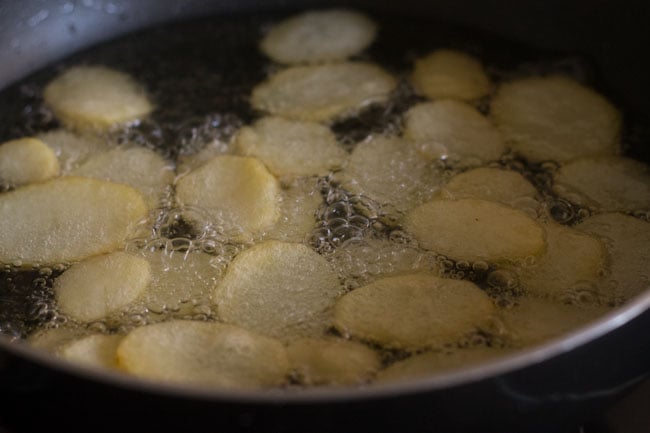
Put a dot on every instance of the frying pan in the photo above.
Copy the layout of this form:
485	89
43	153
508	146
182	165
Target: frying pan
549	388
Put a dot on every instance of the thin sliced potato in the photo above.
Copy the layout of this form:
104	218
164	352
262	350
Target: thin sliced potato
238	192
279	289
319	36
472	229
332	361
291	148
72	149
301	200
203	354
606	183
412	311
627	240
453	131
450	74
26	160
555	118
97	287
97	350
493	184
138	167
323	93
52	339
96	97
66	219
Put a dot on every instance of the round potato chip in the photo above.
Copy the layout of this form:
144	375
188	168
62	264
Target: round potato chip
412	311
97	350
203	354
472	229
555	118
26	160
318	36
279	289
450	74
96	97
606	183
324	92
503	186
72	149
453	131
93	289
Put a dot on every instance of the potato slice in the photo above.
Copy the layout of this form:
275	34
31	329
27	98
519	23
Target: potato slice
453	131
412	311
627	240
26	160
300	202
93	289
324	92
573	261
390	171
555	118
72	149
332	361
138	167
606	183
430	363
52	339
203	354
66	219
96	97
291	148
97	350
493	184
279	289
472	229
450	74
319	36
238	192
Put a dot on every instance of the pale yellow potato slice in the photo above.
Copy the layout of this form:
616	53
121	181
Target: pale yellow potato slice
300	201
453	131
573	261
390	171
450	74
412	311
324	92
26	160
138	167
203	354
52	339
503	186
66	219
606	183
238	192
279	289
627	240
97	350
472	229
319	36
332	361
555	118
430	363
291	148
535	320
72	149
102	285
96	97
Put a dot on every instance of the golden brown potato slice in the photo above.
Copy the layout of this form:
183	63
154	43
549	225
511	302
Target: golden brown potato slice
453	131
450	74
472	229
93	289
324	92
573	261
26	160
97	350
138	167
627	240
66	219
238	192
319	36
72	149
96	97
332	361
291	148
606	183
203	354
301	200
279	289
412	311
503	186
555	118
